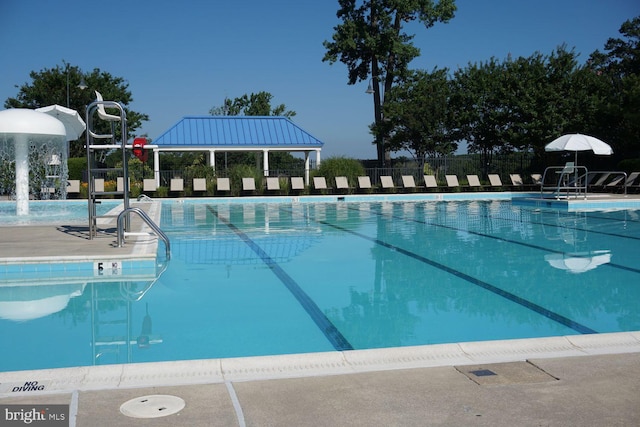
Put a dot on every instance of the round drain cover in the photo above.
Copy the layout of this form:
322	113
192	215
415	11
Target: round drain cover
153	406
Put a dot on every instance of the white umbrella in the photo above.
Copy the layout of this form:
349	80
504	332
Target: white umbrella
73	123
578	262
578	142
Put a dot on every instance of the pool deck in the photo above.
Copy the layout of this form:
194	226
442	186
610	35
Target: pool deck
573	380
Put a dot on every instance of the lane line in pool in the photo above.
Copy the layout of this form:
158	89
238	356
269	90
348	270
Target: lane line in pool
330	331
502	239
564	227
494	289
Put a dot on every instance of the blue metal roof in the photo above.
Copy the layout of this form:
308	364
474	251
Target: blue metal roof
238	132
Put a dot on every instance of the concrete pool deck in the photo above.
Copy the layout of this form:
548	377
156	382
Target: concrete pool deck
573	380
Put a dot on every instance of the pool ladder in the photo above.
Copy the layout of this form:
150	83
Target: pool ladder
143	215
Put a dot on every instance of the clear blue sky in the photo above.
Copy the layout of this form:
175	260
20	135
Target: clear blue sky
184	57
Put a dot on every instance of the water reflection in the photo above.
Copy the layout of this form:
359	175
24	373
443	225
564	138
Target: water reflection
67	310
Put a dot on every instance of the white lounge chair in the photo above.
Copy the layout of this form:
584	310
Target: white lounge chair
297	183
320	183
273	183
408	182
223	185
387	182
495	180
248	184
430	181
342	183
452	181
199	184
474	182
149	184
177	184
364	183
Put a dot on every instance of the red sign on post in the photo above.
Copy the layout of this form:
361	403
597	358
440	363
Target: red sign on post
138	149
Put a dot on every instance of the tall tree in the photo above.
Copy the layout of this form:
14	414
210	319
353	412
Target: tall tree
59	85
256	104
418	117
619	68
371	41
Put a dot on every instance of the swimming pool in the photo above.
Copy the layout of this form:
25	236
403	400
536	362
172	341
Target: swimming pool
265	279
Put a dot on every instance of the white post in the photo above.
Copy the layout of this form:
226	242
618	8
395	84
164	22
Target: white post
156	166
306	168
21	146
212	159
265	162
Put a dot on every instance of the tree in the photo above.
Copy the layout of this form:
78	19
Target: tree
256	104
417	115
370	41
481	112
49	86
619	69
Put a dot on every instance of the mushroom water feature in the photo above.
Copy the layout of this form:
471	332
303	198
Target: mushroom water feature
33	156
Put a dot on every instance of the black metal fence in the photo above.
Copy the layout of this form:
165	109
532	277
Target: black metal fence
460	165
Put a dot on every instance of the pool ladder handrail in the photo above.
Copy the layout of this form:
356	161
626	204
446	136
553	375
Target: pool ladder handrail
143	215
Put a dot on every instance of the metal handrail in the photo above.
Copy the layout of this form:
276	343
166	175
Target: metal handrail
564	173
142	214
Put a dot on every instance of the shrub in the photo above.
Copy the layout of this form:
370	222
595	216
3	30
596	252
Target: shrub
237	172
341	166
629	165
76	166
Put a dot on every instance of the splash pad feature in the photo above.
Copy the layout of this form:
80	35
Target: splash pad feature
35	144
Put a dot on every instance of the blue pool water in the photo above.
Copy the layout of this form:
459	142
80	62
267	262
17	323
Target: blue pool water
263	279
43	212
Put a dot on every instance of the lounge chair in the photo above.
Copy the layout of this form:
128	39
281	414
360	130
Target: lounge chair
297	183
430	181
249	184
452	181
177	184
73	187
631	185
120	184
342	183
387	182
600	182
320	183
408	183
495	181
536	178
474	182
364	183
516	180
273	183
98	185
199	184
223	185
149	184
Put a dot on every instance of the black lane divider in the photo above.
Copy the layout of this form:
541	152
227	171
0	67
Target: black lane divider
621	236
502	239
500	292
332	333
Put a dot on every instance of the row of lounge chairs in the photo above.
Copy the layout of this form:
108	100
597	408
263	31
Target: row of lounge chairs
596	182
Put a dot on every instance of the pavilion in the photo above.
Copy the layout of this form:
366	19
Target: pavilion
212	134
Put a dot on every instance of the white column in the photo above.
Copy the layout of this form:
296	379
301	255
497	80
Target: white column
265	162
21	144
306	168
156	166
212	159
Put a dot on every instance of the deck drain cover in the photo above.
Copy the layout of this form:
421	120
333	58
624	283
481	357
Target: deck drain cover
153	406
483	373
